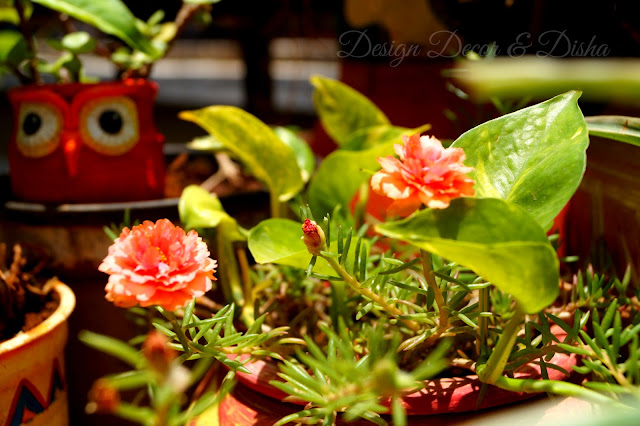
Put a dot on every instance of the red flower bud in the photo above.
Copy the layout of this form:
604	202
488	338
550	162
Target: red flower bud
314	237
157	352
103	398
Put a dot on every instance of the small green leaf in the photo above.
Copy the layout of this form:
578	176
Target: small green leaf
79	42
616	127
497	239
201	209
342	109
279	241
304	155
252	142
109	16
534	157
9	14
111	346
13	48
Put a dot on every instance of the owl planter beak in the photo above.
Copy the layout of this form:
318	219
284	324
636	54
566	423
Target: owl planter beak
71	148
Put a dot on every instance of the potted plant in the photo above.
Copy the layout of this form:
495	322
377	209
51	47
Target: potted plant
366	313
77	132
33	330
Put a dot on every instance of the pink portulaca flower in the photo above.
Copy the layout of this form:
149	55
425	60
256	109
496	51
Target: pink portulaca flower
426	173
157	264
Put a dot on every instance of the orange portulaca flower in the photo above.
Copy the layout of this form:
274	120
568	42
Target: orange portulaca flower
157	264
426	173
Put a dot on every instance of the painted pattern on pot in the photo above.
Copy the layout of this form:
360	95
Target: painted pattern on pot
32	383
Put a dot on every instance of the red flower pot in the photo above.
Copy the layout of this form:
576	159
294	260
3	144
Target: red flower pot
256	402
86	142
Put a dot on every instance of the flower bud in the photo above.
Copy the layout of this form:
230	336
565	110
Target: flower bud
103	398
157	352
314	237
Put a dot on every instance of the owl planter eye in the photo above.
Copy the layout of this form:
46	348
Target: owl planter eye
109	125
39	129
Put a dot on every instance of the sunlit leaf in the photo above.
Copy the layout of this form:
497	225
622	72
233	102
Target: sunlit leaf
534	157
495	238
343	110
616	127
253	143
109	16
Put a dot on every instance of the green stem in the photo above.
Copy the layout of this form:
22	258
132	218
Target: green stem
134	413
556	387
177	328
274	204
247	315
492	370
356	286
427	269
483	322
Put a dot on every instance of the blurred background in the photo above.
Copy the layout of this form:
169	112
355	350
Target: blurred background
415	60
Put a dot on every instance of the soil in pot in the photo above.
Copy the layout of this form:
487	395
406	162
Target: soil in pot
25	299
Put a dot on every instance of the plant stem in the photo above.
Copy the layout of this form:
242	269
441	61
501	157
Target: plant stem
186	12
248	313
427	269
274	204
24	28
483	322
356	286
177	328
556	387
492	370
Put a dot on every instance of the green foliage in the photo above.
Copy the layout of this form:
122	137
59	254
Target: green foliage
340	380
343	110
9	14
201	342
498	240
304	155
329	189
368	137
201	209
79	42
264	154
534	157
279	241
616	127
13	48
110	16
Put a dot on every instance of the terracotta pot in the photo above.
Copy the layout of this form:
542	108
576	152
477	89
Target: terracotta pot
73	236
256	402
86	142
33	381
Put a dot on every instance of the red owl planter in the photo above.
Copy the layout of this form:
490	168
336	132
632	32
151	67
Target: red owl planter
86	143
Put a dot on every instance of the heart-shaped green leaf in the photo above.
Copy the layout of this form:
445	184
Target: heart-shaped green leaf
109	16
280	241
343	110
495	238
616	127
253	143
534	157
378	135
340	175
